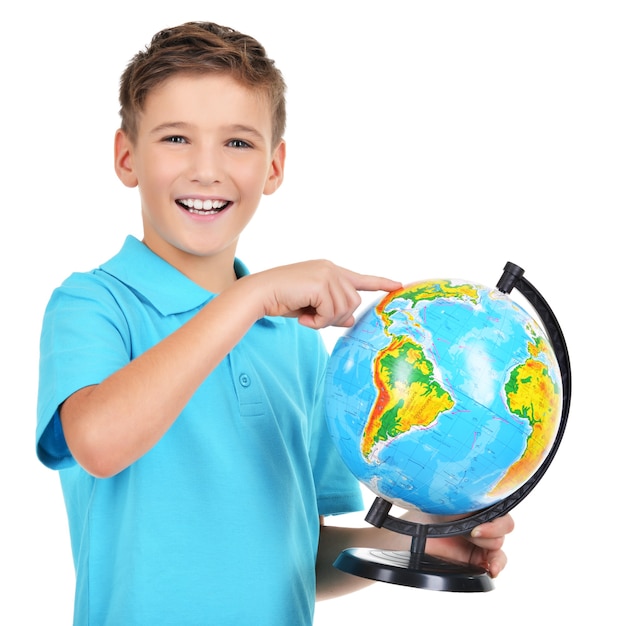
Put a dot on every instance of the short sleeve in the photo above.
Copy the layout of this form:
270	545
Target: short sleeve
84	339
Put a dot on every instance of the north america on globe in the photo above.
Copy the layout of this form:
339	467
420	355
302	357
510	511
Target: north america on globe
444	396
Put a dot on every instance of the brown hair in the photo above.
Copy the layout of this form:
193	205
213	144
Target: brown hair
199	48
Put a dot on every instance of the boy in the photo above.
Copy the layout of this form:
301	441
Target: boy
180	395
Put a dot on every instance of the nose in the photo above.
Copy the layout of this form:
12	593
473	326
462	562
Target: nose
206	164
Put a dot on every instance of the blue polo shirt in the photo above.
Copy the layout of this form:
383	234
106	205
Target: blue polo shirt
218	523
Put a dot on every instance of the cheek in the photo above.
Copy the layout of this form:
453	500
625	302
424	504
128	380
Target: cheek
254	177
159	172
154	184
161	166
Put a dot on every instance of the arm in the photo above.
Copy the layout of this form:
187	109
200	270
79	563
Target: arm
483	548
110	425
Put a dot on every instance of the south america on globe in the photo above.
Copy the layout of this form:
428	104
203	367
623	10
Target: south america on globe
445	396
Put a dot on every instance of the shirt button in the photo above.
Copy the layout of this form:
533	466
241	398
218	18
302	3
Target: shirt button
244	380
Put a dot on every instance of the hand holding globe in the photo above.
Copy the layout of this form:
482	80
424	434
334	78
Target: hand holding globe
446	397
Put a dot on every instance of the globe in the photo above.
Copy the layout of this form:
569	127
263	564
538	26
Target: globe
445	396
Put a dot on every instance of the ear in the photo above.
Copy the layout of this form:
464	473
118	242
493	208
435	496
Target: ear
124	159
276	171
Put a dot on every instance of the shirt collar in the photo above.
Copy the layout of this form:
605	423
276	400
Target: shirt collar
160	283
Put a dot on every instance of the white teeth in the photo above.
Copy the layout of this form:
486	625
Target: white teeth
197	205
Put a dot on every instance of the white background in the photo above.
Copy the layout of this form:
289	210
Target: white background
425	140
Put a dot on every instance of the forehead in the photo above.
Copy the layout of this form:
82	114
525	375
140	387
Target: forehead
207	95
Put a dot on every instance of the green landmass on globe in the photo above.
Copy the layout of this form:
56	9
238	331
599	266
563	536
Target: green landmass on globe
444	396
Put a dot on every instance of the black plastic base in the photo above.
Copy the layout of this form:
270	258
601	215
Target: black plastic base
429	573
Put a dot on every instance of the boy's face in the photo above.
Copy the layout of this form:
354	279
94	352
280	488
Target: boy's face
202	159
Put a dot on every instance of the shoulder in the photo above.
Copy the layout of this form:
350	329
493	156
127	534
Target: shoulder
106	287
82	292
80	285
86	304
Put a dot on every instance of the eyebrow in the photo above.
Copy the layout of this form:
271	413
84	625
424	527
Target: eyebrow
168	126
234	128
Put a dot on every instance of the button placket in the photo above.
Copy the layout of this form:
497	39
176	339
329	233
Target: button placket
250	402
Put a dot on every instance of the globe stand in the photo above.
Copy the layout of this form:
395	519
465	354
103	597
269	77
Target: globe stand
415	568
412	568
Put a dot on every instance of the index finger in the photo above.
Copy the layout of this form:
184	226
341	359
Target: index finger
368	282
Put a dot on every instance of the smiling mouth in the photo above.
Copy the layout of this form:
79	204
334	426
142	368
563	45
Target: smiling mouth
203	207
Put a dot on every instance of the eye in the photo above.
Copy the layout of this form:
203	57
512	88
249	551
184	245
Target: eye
238	143
174	139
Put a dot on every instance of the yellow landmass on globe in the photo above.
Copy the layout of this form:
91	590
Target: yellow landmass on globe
408	394
425	290
534	396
